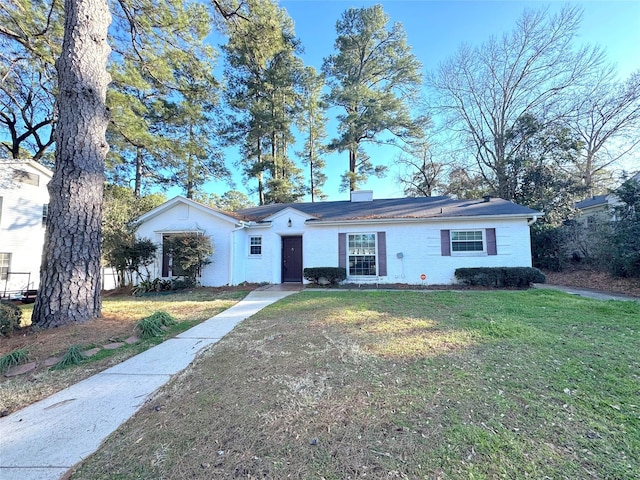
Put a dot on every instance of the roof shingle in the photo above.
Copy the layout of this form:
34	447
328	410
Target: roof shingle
393	208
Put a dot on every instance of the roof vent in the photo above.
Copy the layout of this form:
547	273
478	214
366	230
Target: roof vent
361	195
486	198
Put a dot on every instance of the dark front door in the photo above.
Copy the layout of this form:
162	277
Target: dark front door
291	259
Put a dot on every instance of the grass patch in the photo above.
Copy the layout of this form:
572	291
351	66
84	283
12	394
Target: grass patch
526	384
13	359
73	356
119	317
155	325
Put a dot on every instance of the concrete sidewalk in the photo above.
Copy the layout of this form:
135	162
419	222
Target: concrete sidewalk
588	293
44	440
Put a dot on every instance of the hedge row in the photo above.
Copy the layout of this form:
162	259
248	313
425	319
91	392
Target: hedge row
325	275
500	276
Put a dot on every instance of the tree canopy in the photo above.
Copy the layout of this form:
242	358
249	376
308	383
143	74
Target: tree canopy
486	93
373	76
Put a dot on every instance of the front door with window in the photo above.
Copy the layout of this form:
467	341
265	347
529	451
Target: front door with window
291	259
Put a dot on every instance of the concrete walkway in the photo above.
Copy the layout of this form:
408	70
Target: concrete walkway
44	440
585	292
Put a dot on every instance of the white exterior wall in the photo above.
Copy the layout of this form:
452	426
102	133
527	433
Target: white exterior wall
21	229
267	268
419	244
417	240
183	218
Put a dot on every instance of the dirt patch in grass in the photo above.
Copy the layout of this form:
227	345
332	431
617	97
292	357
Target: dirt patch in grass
585	277
121	312
399	385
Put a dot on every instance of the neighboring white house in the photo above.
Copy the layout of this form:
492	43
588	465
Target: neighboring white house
24	200
377	241
599	208
592	223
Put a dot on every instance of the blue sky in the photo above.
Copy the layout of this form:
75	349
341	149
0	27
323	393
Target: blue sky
434	30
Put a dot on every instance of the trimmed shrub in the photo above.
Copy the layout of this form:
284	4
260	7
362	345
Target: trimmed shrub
500	277
10	316
183	282
155	285
333	275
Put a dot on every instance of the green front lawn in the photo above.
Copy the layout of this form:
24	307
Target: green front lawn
336	385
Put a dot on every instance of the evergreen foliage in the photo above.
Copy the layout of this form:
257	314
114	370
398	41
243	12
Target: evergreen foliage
189	253
73	356
333	275
500	277
155	325
312	123
373	78
121	249
13	359
624	243
10	316
262	91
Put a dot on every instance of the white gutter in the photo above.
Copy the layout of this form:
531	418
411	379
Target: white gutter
417	220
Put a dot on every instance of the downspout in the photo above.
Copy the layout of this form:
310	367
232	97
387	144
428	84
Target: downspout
232	252
533	220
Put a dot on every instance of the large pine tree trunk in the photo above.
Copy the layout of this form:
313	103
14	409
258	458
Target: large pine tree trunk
70	272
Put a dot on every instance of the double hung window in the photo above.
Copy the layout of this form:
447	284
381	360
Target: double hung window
5	265
255	246
464	241
361	251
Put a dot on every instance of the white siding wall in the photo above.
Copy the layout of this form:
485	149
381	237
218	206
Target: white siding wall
185	218
21	229
420	248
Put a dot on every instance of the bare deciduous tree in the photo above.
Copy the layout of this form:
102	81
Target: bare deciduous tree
606	117
484	91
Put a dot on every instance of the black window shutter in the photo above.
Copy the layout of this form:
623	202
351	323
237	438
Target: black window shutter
445	243
491	241
342	250
165	258
382	254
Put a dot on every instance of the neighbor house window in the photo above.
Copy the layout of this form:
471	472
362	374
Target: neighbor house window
255	246
45	213
5	265
467	241
361	251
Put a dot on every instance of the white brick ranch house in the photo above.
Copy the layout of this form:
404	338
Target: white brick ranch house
378	241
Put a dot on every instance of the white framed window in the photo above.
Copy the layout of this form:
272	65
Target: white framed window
5	265
45	213
361	254
467	241
255	246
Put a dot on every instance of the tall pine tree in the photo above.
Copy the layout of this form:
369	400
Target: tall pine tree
373	78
